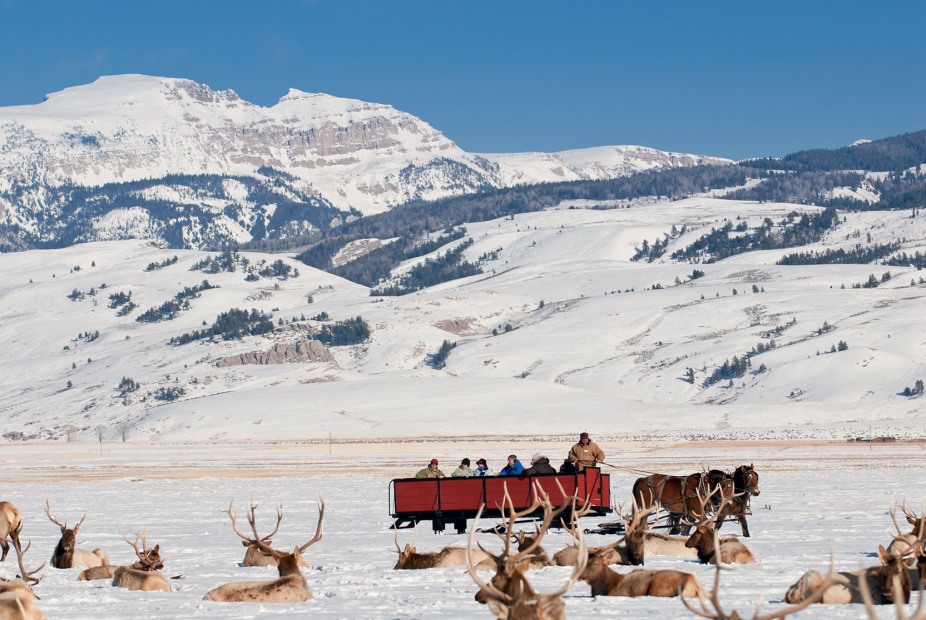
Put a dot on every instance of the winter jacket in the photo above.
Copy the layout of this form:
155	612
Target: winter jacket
427	472
542	466
568	467
462	472
483	471
512	470
586	456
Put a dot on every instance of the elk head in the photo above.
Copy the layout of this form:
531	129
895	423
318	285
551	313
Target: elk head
410	551
148	559
287	563
63	556
893	569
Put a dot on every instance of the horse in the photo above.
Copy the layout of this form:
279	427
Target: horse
678	495
745	485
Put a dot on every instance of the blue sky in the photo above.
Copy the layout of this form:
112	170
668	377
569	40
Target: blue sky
729	78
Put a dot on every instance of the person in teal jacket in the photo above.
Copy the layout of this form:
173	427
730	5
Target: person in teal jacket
513	468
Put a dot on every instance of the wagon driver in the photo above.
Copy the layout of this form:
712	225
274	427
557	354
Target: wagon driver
586	453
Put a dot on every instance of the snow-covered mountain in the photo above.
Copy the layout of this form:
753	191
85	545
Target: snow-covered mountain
137	156
562	331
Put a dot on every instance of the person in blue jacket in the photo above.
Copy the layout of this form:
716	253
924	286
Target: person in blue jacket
513	468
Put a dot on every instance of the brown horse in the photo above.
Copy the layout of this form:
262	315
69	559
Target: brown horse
678	495
745	485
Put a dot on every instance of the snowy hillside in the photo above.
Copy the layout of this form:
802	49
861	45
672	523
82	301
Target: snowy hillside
169	147
563	331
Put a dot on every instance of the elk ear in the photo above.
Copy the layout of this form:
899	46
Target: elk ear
408	548
245	543
157	548
883	555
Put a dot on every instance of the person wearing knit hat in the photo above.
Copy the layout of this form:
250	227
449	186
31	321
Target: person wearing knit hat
483	469
539	465
431	471
463	471
586	453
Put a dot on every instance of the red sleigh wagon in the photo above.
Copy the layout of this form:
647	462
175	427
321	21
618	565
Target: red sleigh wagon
454	500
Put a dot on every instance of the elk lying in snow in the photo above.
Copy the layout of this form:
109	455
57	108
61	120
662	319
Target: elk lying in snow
10	520
255	555
517	600
291	587
410	559
640	582
710	606
631	553
16	595
711	549
66	554
538	557
143	574
918	614
845	586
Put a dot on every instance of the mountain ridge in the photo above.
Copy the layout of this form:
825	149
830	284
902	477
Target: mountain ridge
354	156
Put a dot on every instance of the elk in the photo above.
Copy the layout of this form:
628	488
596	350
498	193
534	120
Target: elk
538	557
66	554
519	601
143	574
918	614
256	556
10	520
710	606
410	559
632	553
714	550
845	587
16	595
903	543
509	568
290	587
640	582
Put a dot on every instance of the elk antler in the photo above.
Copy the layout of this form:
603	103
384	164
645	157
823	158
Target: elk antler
318	530
24	574
58	523
257	540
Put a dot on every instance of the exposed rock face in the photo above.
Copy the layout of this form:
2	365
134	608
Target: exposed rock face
282	353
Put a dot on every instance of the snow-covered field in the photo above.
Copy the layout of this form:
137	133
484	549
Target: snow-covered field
816	496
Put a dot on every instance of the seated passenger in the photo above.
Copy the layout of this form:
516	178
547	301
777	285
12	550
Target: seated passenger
513	468
539	465
463	471
483	469
567	467
431	471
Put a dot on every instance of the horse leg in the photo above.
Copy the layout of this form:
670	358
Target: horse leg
742	520
674	525
719	522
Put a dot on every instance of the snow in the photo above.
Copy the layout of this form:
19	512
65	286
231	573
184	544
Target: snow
580	338
816	498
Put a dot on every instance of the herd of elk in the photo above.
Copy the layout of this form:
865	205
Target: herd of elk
290	587
66	553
